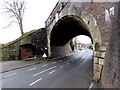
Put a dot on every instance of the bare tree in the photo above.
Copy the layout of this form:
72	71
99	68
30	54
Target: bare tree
15	9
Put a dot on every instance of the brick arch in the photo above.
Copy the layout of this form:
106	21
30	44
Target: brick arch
99	48
63	31
91	23
70	25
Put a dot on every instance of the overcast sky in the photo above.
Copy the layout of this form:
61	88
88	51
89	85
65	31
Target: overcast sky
36	14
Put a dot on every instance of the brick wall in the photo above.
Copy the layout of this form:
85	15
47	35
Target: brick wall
111	70
97	9
109	35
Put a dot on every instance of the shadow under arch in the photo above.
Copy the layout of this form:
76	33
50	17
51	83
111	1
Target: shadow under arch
69	26
64	30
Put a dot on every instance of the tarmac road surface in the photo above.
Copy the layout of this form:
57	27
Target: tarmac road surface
74	71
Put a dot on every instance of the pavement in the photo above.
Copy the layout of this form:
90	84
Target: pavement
17	64
55	73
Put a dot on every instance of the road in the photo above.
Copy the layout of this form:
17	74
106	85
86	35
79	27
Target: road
74	71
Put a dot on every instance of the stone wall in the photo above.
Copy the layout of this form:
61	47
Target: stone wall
37	38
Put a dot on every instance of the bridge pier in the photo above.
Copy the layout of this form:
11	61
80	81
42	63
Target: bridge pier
48	43
61	51
99	55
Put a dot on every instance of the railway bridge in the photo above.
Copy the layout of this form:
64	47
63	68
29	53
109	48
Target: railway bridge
70	19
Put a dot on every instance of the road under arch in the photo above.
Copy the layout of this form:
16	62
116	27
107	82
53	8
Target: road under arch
70	26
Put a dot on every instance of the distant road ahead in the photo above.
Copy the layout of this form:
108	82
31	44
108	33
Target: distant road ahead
74	71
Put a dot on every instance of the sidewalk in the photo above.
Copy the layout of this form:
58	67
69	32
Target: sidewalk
16	64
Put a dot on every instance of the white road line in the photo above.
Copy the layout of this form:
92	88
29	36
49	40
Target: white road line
52	72
53	62
32	69
35	81
91	85
45	65
10	75
60	61
44	71
61	66
67	63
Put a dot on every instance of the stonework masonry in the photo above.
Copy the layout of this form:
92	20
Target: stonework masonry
104	17
97	10
99	18
36	38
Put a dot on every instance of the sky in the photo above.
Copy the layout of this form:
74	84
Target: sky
83	39
35	16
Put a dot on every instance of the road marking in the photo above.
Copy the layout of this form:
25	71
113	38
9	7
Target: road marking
52	72
61	66
91	85
32	69
53	62
60	61
35	81
44	71
45	65
67	63
10	75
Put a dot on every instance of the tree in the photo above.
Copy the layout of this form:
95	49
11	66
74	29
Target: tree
15	9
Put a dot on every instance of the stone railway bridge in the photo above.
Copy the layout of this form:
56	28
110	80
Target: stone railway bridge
98	20
94	19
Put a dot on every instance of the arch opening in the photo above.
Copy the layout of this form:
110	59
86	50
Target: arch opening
64	31
80	42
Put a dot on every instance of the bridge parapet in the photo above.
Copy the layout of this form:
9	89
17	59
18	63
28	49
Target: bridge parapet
57	9
62	9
